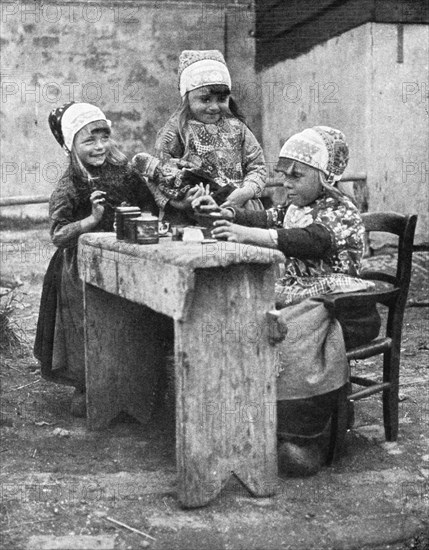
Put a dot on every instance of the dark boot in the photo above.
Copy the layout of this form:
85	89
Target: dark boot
303	434
303	456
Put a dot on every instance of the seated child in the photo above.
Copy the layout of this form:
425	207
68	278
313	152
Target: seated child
321	234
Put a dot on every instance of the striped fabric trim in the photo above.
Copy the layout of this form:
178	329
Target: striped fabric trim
290	289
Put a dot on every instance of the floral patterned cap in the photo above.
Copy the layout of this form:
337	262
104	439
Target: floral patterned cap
54	121
321	147
198	68
66	121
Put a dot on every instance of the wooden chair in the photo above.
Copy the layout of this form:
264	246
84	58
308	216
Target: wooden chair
389	343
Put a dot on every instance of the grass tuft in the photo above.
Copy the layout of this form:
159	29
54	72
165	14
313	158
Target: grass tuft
12	337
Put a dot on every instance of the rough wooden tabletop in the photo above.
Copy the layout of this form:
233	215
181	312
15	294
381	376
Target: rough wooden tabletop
185	254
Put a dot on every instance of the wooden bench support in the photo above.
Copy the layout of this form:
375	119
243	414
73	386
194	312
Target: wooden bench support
226	392
225	358
122	356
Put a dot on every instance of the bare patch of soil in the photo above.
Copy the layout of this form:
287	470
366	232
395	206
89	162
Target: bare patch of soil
60	479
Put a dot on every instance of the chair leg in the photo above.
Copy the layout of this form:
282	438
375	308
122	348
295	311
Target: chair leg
391	395
339	422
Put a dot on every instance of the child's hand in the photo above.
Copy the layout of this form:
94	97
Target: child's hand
207	205
237	198
240	234
228	231
191	195
98	200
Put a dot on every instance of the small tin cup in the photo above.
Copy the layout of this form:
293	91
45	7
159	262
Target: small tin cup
177	232
121	213
206	220
147	229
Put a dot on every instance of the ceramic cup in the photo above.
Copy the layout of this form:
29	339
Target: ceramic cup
163	228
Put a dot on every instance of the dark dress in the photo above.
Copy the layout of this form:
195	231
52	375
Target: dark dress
59	344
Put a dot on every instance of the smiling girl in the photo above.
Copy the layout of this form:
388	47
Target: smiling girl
208	132
97	180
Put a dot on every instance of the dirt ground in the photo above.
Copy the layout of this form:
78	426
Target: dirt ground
60	480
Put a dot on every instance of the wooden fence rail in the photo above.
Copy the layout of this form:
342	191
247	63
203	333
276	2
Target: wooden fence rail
357	180
22	199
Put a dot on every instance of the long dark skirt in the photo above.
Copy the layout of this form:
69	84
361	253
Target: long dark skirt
44	342
59	342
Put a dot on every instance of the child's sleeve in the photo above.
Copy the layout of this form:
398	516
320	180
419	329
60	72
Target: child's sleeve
168	145
65	228
160	199
345	225
253	161
266	219
311	242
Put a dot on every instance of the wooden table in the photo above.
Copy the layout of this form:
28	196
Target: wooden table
218	295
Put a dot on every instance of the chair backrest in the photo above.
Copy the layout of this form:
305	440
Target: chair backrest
404	227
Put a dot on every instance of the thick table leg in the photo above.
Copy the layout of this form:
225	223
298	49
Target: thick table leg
122	357
225	385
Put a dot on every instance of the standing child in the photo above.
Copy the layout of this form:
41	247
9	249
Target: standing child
98	179
208	135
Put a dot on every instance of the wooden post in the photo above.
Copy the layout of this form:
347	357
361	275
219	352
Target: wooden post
225	386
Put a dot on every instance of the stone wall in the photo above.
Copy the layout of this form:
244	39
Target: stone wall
370	82
122	56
